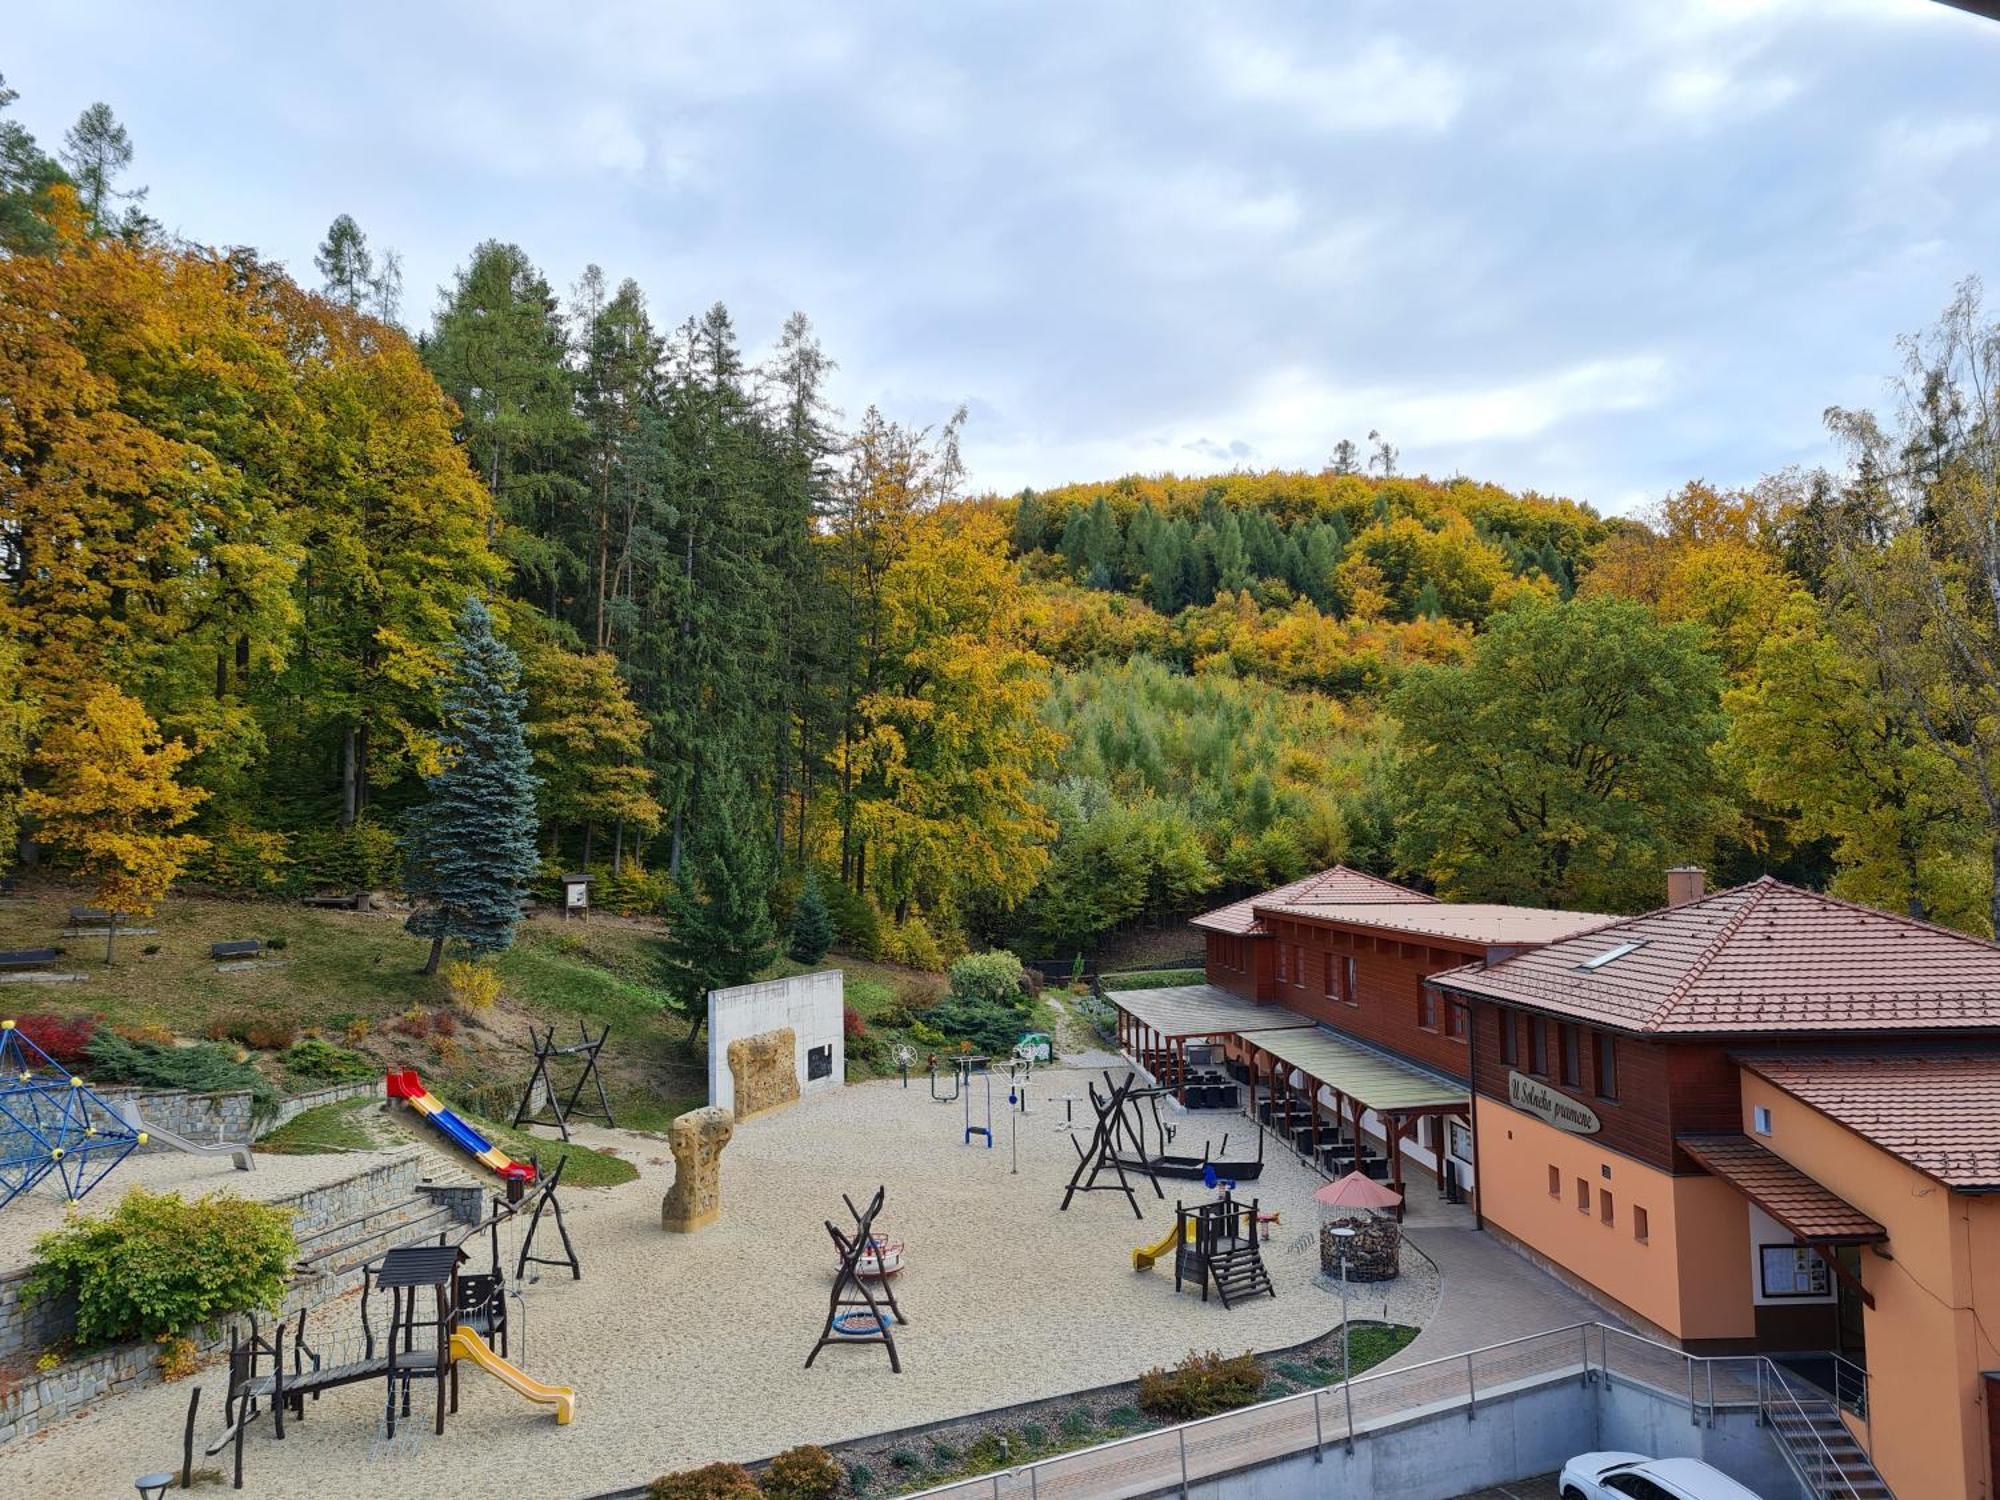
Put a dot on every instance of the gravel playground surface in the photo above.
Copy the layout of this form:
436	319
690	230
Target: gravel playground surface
688	1348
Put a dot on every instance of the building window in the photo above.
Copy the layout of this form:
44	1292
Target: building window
1566	1049
1555	1181
1604	1210
1538	1047
1454	1019
1427	1007
1510	1050
1641	1230
1350	988
1607	1064
1792	1271
1583	1195
1282	946
1760	1119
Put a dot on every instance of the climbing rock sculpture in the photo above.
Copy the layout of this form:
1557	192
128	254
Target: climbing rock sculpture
696	1139
765	1069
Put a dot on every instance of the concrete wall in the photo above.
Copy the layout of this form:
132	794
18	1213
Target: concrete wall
813	1005
1533	1429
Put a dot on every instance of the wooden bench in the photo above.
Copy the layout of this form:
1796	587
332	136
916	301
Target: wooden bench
242	948
29	958
90	916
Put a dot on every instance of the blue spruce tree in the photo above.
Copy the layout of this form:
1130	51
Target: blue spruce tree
472	845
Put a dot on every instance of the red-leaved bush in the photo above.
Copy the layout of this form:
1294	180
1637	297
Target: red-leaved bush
63	1037
852	1024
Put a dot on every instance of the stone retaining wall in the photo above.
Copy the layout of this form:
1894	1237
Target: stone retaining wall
42	1397
224	1116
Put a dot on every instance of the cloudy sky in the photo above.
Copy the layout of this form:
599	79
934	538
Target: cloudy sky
1585	247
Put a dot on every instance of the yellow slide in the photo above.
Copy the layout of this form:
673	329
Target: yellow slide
465	1344
1145	1255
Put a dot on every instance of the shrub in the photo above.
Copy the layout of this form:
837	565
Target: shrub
912	943
711	1482
1200	1386
990	1028
631	890
204	1069
362	857
64	1038
851	1024
444	1023
416	1021
995	977
358	1030
315	1061
803	1473
1152	979
1077	1422
1122	1416
145	1031
860	1478
943	1455
157	1265
178	1357
988	1450
1034	1435
266	1033
906	1458
244	860
471	986
857	926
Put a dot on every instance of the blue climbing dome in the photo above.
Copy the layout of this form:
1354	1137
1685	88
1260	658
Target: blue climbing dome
51	1122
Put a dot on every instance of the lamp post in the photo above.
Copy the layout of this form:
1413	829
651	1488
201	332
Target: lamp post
1344	1233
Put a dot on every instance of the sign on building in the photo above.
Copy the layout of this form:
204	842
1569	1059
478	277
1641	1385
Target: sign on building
1532	1096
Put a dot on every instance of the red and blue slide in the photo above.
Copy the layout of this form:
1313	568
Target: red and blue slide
405	1085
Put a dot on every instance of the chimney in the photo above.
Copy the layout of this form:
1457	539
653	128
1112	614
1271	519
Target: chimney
1683	885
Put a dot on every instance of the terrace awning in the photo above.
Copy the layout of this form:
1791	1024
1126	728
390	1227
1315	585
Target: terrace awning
1198	1010
1377	1082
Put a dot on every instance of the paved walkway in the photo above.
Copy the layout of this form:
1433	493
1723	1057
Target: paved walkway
1491	1292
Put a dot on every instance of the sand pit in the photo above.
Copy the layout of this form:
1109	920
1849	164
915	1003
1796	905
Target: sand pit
687	1348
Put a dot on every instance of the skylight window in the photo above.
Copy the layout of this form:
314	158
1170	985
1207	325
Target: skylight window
1617	951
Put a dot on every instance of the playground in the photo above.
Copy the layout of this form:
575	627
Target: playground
684	1348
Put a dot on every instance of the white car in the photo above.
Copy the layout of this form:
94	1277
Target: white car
1633	1476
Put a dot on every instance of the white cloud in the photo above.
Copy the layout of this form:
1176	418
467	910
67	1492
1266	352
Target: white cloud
1704	93
1383	86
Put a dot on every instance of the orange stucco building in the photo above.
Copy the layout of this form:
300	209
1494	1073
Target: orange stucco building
1766	1120
1762	1120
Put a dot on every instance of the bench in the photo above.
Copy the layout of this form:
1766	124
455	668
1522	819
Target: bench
243	948
333	903
29	958
90	916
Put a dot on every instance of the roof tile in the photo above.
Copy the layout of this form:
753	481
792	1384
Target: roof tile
1938	1111
1807	1208
1763	957
1330	887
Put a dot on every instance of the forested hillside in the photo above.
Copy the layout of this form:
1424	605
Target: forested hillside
759	644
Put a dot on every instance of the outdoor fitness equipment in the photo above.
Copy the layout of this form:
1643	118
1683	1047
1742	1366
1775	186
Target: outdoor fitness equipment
936	1097
563	1109
1112	1125
50	1122
855	1312
904	1054
965	1069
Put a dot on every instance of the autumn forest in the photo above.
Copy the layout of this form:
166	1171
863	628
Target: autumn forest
251	515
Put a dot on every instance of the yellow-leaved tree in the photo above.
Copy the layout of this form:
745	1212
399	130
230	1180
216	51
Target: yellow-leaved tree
111	802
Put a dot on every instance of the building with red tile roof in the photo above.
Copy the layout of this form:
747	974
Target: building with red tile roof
1336	886
1764	1119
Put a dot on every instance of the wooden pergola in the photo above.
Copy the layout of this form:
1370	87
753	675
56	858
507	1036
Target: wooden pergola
1162	1022
1360	1079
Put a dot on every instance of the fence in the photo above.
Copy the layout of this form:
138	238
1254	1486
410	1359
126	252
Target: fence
1338	1416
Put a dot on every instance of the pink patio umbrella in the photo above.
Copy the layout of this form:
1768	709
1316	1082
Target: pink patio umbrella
1360	1203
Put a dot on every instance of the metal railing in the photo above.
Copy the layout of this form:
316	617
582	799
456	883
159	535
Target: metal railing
1337	1416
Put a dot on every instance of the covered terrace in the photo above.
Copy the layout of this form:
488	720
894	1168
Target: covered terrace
1361	1080
1155	1026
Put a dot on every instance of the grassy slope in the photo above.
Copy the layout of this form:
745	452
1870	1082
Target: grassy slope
355	978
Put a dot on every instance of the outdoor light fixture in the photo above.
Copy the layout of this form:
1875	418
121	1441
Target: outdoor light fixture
152	1486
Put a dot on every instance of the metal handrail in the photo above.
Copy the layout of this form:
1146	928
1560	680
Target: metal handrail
1832	1465
1237	1414
1767	1374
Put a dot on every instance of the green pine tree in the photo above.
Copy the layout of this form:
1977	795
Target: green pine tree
473	844
812	925
719	928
